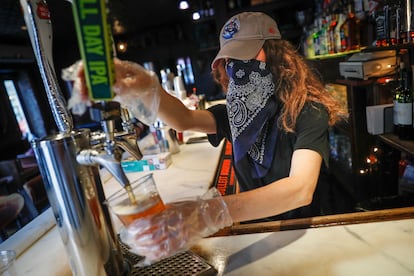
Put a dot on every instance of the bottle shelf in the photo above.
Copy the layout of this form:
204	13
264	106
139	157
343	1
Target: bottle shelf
336	55
391	139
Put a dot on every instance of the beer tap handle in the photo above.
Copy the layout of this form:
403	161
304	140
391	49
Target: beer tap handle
127	124
129	144
39	27
108	127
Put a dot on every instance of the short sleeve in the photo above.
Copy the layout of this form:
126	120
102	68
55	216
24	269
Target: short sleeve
222	124
312	130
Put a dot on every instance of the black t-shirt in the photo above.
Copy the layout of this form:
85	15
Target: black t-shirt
311	132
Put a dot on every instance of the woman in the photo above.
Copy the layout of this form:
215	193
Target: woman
277	117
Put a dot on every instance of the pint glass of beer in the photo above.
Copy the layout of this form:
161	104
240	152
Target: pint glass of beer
139	201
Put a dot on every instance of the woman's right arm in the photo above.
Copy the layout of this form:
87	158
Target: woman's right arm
133	79
175	114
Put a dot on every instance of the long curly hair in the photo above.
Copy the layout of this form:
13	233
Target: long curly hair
298	83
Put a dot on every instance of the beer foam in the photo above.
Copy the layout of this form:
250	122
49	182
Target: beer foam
127	209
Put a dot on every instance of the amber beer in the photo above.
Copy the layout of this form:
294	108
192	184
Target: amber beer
127	212
138	200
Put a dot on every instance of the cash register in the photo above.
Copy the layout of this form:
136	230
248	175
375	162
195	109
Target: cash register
365	65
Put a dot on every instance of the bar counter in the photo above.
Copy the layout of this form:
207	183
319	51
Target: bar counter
369	243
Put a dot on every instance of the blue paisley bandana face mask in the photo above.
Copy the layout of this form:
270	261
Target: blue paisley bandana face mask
252	109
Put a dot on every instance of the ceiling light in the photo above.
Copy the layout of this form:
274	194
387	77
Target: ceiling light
196	15
183	5
122	47
118	28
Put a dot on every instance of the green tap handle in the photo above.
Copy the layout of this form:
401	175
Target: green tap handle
96	47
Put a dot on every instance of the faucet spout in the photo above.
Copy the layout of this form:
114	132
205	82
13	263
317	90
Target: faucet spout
128	142
93	157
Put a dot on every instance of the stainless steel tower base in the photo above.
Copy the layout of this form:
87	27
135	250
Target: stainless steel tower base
75	193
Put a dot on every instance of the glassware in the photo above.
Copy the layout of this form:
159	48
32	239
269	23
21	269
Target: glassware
144	200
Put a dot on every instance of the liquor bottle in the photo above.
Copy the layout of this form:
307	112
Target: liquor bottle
323	35
316	39
395	24
349	31
406	22
359	10
308	43
331	33
405	106
382	27
341	20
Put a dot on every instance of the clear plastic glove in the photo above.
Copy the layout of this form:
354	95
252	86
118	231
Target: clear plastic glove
177	228
137	89
78	103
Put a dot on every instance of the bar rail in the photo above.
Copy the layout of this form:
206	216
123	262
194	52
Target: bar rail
319	221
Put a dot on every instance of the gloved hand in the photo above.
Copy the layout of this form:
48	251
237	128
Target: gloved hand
137	89
177	228
78	101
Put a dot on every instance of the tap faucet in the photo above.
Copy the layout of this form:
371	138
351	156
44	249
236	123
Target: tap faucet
108	148
75	190
94	157
128	139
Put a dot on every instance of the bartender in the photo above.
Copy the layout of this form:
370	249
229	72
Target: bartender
277	117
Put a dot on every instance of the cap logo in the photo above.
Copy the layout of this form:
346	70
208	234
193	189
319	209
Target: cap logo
272	30
231	27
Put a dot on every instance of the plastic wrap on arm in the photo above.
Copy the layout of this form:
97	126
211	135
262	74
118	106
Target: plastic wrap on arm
177	228
138	89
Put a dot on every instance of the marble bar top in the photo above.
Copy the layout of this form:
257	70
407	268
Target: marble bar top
190	174
374	248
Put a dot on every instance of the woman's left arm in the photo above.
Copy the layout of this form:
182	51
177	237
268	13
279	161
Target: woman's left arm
281	196
182	224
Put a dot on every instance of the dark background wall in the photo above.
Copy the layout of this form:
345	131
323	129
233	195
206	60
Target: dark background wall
156	31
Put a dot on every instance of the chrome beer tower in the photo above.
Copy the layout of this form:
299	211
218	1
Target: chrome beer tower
69	163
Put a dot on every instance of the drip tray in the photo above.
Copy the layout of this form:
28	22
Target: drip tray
185	263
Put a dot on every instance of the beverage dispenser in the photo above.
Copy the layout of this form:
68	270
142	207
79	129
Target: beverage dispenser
69	160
